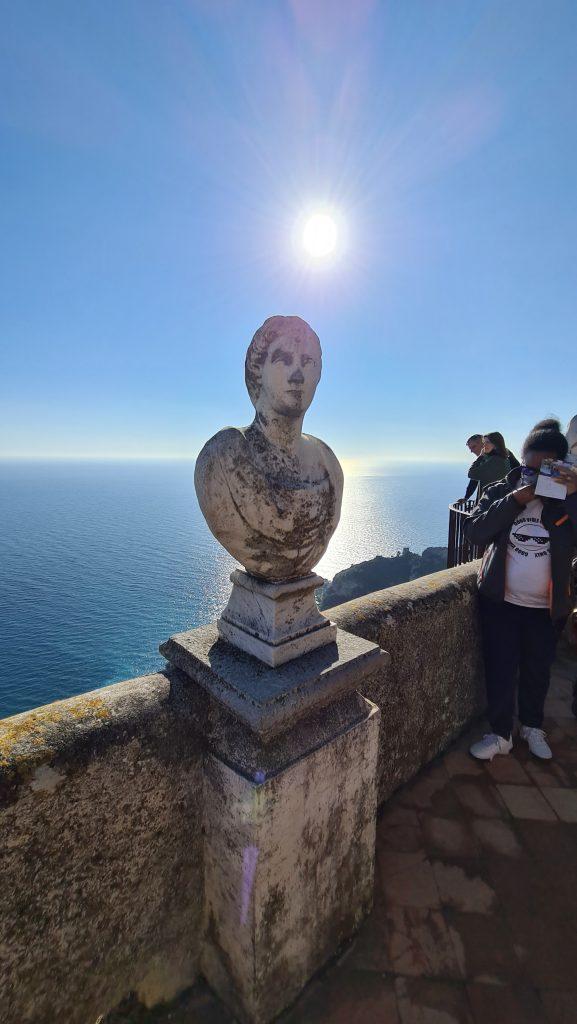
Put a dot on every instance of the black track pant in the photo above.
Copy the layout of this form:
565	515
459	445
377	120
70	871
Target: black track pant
518	648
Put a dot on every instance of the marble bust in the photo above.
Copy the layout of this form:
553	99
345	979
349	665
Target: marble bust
270	494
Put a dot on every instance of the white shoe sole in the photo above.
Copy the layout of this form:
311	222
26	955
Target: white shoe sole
498	753
540	757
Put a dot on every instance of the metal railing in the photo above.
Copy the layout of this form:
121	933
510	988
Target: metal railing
460	550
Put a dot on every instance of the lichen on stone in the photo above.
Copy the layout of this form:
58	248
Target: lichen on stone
25	735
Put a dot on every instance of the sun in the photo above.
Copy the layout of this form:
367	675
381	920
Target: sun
320	235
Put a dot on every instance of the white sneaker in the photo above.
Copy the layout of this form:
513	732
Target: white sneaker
537	742
490	745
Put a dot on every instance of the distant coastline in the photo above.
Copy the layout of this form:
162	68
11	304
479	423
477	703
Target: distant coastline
381	572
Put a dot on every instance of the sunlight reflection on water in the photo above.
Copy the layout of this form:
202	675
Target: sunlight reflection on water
100	562
383	514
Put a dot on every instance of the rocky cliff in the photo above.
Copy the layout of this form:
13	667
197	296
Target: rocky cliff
381	572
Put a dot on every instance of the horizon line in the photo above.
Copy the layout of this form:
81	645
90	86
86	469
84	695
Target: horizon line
151	457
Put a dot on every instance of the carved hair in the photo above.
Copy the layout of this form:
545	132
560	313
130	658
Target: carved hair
257	351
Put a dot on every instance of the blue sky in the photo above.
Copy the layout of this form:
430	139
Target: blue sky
155	158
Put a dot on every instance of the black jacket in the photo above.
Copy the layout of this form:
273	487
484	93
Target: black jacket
490	524
476	471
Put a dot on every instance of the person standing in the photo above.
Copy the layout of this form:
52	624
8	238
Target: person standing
523	588
571	436
495	463
475	445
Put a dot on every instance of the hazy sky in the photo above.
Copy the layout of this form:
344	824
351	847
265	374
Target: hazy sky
155	156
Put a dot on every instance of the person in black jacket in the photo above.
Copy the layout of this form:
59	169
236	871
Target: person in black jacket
494	461
475	446
524	590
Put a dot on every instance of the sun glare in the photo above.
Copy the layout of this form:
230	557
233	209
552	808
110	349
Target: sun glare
320	235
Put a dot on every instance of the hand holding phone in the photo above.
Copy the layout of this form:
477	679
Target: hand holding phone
566	475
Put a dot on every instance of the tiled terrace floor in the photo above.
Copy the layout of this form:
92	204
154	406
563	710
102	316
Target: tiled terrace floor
475	917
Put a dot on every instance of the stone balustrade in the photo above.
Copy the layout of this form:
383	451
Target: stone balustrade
105	799
433	684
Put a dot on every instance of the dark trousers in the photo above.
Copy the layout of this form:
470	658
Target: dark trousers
518	648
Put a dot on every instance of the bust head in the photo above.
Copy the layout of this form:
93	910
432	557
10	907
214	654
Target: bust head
283	366
271	495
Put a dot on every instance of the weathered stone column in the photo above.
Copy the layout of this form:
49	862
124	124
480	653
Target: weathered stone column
289	787
290	804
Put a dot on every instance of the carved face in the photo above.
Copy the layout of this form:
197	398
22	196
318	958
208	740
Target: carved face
289	376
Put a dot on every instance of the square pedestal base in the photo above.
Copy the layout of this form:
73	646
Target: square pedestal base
275	622
271	700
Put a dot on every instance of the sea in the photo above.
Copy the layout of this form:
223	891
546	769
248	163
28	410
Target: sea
100	561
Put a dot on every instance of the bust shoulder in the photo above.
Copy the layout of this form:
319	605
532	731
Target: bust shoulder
317	449
229	439
228	443
221	453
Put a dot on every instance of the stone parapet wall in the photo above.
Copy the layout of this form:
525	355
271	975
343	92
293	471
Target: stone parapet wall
433	685
100	853
101	806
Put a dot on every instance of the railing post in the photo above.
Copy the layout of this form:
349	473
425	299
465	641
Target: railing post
460	549
451	540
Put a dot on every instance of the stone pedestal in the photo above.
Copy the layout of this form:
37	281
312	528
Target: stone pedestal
275	622
288	868
269	701
290	806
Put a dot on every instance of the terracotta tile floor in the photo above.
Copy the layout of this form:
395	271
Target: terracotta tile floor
475	915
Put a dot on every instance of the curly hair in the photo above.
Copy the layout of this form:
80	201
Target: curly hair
546	436
257	351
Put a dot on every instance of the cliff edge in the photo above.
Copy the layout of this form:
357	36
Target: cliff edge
380	572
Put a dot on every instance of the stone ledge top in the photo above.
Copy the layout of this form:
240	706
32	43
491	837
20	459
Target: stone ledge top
271	700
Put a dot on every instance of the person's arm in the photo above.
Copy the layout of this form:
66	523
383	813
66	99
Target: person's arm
494	514
571	506
474	473
471	488
568	476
